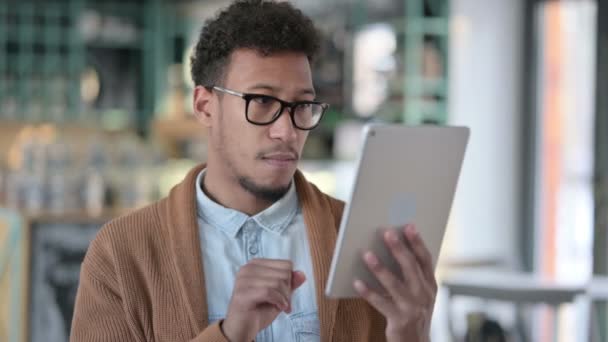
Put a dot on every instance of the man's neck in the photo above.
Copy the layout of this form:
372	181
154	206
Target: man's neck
224	188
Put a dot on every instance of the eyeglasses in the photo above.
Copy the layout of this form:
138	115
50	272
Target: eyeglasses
265	109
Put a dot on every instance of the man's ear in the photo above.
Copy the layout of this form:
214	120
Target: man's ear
202	104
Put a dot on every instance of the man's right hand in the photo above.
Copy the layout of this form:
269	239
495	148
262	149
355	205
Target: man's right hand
261	292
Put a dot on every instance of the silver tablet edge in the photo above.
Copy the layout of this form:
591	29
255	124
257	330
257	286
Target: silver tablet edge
367	129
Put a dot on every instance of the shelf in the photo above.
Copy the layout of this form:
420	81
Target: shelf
80	216
179	129
175	134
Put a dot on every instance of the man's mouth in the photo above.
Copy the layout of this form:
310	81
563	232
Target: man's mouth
280	159
281	156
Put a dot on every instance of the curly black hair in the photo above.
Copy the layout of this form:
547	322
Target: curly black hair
262	25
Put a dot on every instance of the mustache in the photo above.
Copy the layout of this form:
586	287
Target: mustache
278	149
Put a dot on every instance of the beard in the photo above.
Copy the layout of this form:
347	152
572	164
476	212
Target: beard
265	193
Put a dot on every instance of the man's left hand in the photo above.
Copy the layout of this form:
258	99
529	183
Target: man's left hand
407	302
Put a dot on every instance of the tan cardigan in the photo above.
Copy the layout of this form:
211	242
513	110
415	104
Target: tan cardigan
142	278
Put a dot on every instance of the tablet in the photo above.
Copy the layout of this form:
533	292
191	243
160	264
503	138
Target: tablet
404	175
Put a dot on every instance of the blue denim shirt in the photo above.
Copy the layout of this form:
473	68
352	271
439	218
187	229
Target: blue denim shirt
230	239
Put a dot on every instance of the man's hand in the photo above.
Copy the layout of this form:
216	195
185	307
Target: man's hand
262	290
408	301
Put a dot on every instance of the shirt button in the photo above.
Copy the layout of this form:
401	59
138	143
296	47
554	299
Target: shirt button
253	250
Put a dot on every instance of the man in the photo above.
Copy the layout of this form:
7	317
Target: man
240	250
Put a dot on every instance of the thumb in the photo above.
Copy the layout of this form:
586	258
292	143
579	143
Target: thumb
297	279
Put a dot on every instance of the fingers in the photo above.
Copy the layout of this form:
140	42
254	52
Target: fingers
418	281
422	254
282	269
275	276
410	300
263	289
268	282
383	304
297	279
389	281
286	265
412	274
268	295
257	270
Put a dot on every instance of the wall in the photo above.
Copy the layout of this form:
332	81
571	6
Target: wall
484	93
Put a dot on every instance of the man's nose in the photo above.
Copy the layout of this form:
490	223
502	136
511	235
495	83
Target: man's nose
283	127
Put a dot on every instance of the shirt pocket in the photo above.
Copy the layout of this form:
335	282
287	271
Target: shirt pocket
305	327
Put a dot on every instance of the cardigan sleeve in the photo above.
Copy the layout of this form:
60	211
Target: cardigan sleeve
99	313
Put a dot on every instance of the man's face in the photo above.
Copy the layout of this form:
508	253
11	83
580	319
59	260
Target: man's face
262	158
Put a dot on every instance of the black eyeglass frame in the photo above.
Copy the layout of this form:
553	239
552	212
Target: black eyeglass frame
284	104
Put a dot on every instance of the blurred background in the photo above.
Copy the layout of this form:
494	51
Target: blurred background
95	120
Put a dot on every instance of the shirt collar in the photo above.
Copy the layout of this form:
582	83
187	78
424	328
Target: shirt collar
275	218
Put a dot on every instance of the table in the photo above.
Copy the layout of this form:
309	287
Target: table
515	287
597	291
